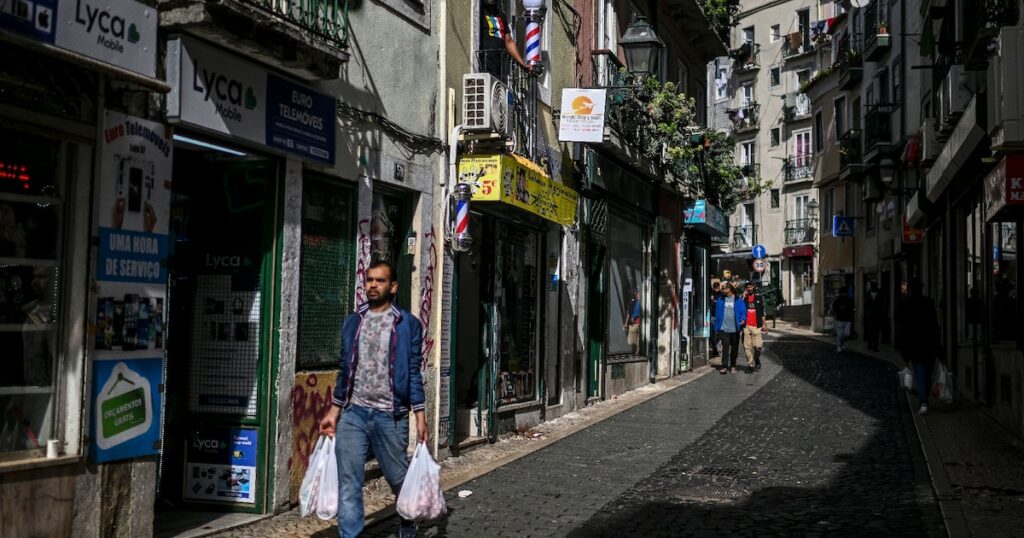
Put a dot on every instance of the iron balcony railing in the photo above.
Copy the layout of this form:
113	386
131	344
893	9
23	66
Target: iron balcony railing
745	118
849	149
850	62
797	44
744	236
325	19
876	30
800	231
745	58
797	107
750	170
799	168
878	127
522	100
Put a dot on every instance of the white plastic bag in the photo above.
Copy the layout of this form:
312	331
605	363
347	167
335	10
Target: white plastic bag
318	492
907	377
943	388
421	498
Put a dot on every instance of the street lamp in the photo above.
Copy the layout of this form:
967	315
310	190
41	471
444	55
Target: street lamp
812	210
886	167
641	45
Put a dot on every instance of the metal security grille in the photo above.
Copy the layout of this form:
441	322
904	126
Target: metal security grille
327	277
598	217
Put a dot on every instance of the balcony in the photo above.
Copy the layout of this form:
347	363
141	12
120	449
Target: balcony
797	107
745	58
876	29
325	19
623	136
744	236
878	129
800	232
982	22
745	118
796	45
850	64
798	168
521	135
750	170
849	153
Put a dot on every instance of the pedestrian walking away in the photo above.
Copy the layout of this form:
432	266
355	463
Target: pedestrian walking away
730	316
379	384
842	310
919	325
754	327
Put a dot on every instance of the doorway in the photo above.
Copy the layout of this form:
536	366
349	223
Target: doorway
221	278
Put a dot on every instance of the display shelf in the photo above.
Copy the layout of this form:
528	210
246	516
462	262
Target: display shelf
26	262
24	391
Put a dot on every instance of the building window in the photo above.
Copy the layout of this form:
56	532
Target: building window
747	94
774	193
819	144
840	116
827	208
748	153
327	283
748	35
850	203
682	77
776	76
800	206
1005	280
803	148
722	83
776	136
776	33
896	79
871	214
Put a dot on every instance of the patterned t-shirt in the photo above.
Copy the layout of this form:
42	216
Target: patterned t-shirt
372	386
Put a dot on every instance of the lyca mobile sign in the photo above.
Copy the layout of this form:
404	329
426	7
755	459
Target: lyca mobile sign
117	32
220	92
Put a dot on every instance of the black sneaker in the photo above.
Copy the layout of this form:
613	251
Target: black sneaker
749	370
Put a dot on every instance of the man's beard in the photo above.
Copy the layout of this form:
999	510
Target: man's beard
383	298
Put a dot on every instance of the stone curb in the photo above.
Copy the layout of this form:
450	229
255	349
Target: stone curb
949	504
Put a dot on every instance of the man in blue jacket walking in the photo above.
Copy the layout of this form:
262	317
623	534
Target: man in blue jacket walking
730	317
378	385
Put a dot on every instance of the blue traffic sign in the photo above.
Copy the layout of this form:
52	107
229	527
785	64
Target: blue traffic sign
759	252
842	226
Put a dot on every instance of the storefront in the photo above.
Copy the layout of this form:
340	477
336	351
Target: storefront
703	222
501	290
240	131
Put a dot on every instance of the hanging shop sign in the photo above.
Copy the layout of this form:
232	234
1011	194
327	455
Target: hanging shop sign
1004	186
582	117
517	181
117	32
803	251
912	235
221	465
706	218
217	91
131	282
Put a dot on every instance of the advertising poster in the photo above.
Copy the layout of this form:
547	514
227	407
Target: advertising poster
582	117
131	282
221	465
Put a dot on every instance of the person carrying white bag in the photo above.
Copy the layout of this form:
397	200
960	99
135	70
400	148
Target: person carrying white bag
319	490
421	498
379	385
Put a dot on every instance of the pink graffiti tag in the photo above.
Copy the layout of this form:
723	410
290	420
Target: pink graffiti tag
427	295
308	408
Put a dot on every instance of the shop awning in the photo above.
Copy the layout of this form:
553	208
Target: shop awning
518	182
1004	187
704	217
966	136
914	214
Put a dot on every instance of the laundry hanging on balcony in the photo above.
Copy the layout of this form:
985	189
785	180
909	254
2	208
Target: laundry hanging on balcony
795	40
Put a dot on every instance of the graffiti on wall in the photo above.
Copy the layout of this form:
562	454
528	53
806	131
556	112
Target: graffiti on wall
311	398
362	260
427	291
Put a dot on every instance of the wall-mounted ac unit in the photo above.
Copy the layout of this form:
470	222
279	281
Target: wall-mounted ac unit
1005	74
484	104
930	145
953	98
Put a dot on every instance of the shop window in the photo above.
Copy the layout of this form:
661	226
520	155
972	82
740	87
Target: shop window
327	274
1004	280
31	287
627	307
517	298
970	282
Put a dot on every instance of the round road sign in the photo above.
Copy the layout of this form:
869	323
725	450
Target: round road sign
760	265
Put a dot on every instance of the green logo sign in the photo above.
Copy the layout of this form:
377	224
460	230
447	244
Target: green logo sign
250	99
123	412
133	34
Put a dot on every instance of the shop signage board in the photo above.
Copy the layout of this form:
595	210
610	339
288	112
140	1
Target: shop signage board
221	465
912	235
215	90
582	117
118	32
706	218
842	226
131	282
803	251
1004	186
517	181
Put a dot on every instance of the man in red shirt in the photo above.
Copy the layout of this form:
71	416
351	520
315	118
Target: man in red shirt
752	341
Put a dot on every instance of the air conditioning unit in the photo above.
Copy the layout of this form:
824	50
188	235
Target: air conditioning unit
953	98
484	104
930	145
1006	104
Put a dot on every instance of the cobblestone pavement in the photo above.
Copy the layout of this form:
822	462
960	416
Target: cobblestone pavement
814	445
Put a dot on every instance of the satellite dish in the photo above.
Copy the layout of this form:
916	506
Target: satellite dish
859	3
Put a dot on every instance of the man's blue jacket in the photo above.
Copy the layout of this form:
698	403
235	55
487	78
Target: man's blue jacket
404	361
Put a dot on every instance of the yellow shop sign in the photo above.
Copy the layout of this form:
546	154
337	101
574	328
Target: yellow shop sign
519	182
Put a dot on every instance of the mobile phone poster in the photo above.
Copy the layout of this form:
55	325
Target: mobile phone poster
131	278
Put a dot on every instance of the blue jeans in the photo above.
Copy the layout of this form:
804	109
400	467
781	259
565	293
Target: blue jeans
358	429
922	378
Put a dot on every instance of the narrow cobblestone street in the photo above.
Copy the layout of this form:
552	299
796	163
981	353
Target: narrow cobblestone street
812	445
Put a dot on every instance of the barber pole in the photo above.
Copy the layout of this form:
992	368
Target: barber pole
461	240
534	18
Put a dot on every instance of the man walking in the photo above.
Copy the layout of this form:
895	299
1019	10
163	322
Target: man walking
842	309
378	385
730	315
919	322
752	341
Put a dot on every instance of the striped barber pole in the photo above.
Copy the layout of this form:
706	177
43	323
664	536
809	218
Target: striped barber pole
533	42
461	217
